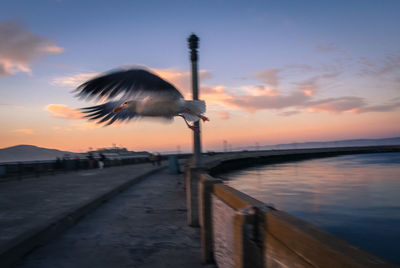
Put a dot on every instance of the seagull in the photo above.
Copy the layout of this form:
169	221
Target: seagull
135	93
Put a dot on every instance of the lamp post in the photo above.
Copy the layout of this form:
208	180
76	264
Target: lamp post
193	45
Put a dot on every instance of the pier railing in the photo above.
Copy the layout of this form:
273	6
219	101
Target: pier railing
240	231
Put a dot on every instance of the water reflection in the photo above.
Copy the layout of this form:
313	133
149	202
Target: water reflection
354	197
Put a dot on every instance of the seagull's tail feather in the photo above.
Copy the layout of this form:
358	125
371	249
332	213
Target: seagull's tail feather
196	107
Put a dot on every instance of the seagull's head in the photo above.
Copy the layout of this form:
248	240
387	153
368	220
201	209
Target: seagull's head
122	106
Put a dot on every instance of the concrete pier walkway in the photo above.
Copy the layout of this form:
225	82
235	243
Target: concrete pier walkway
144	226
35	211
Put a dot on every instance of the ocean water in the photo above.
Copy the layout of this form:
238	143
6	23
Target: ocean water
355	197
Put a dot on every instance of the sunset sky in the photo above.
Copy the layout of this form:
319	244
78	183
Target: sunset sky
270	71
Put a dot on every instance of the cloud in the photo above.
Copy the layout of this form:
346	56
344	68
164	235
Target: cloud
249	97
366	62
394	104
63	111
72	80
269	76
253	103
62	129
335	105
19	47
223	115
390	64
311	85
89	125
267	97
331	47
207	89
300	67
289	113
26	131
301	101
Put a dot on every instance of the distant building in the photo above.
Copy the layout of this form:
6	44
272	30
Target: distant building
118	153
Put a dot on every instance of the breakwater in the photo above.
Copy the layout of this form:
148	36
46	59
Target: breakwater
240	231
19	170
39	168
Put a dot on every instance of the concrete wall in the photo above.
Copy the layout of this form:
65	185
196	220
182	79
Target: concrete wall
240	231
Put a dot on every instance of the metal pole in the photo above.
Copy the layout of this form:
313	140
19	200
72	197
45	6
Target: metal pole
193	45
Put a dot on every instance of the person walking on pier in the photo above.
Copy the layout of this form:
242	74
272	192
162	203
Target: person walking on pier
158	158
102	161
152	159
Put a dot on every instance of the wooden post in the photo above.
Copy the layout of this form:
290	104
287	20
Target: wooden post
192	195
206	185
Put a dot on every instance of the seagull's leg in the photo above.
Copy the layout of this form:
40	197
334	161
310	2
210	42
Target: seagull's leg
202	117
194	128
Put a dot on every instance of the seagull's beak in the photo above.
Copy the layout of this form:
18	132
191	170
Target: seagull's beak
117	109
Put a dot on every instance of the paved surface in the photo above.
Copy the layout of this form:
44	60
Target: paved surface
144	226
36	209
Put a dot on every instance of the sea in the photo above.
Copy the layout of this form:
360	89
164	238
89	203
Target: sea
355	197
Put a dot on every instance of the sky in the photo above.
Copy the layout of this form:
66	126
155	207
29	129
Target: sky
270	71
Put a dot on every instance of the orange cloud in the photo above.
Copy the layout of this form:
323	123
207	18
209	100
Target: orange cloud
223	115
207	89
72	80
63	111
213	94
308	92
311	85
90	125
20	47
24	131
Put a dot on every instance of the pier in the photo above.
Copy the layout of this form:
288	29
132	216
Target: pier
138	216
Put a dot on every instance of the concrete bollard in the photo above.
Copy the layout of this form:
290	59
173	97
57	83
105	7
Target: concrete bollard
173	165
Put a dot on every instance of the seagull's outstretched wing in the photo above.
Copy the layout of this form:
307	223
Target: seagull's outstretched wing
104	113
127	84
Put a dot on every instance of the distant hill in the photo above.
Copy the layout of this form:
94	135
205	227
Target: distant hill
29	153
324	144
34	153
329	144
